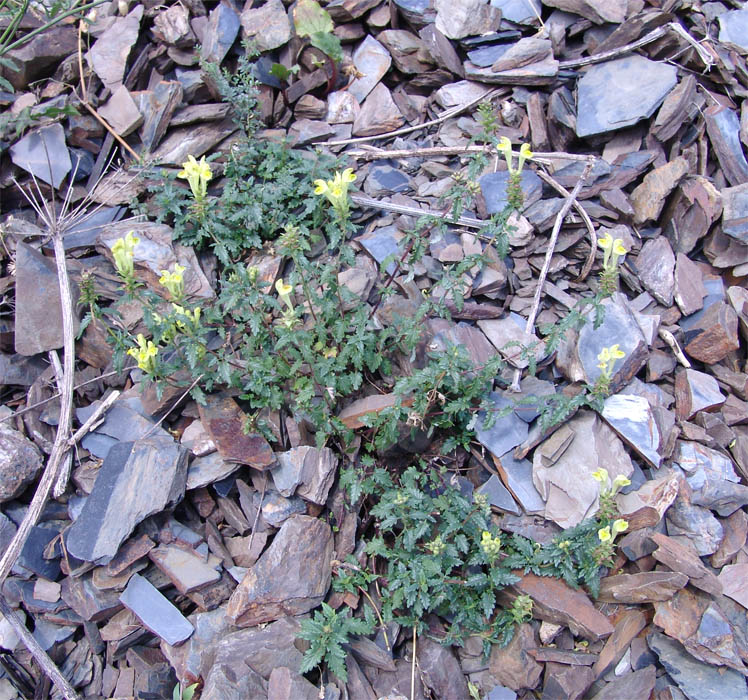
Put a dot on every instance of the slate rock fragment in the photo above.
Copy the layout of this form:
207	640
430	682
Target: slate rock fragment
372	61
648	199
494	189
697	680
457	19
108	56
135	481
621	92
290	578
308	471
714	335
733	28
644	587
155	611
723	127
267	25
735	211
20	463
636	422
43	153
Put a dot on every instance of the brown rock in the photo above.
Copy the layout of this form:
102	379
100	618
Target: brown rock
513	666
655	265
734	581
693	208
689	285
352	414
441	672
186	570
627	627
715	336
524	52
225	421
632	686
267	26
735	530
555	601
290	578
379	114
694	392
285	684
648	199
645	587
597	11
566	682
684	559
680	616
121	112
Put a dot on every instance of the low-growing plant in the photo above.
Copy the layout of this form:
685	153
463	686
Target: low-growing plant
443	554
328	632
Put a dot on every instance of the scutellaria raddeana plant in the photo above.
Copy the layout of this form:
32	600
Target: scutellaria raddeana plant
515	195
198	174
123	252
607	359
613	251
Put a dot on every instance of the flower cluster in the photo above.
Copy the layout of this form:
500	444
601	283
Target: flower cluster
336	191
490	544
123	251
613	250
197	173
145	354
608	491
505	147
606	361
174	282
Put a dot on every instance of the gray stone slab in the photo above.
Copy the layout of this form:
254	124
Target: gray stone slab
633	419
697	680
498	495
733	28
506	433
155	611
619	93
43	153
135	481
494	186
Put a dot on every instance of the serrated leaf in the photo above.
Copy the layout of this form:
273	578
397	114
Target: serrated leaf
328	44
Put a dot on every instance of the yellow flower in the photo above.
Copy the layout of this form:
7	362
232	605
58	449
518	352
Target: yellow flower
604	534
174	281
620	525
615	353
620	481
145	354
284	292
604	355
349	175
601	475
123	251
320	187
505	146
197	174
606	242
336	190
618	248
524	154
192	316
489	544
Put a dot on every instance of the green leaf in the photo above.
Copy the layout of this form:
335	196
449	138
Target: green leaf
309	18
328	44
278	70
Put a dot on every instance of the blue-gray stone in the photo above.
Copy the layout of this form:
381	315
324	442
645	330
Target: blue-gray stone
619	93
723	128
417	12
501	692
498	495
735	210
44	154
223	26
155	611
381	243
508	430
519	11
487	55
48	634
494	185
32	558
633	419
136	480
697	680
733	28
383	179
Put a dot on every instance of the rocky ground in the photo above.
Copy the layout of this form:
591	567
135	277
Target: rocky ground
175	541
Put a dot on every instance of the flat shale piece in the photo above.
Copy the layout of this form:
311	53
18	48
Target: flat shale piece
290	578
635	421
308	471
644	587
108	56
697	680
733	28
43	153
619	93
684	559
135	481
714	336
723	127
735	212
597	11
155	611
555	601
224	420
372	61
694	392
186	570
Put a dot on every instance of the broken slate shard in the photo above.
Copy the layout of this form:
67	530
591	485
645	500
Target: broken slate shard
619	93
38	308
290	578
498	495
43	153
308	471
508	431
634	420
135	481
733	28
20	462
155	611
494	189
735	210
